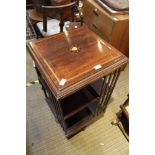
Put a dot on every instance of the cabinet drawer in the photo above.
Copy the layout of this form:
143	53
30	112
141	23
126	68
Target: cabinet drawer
87	13
94	28
93	14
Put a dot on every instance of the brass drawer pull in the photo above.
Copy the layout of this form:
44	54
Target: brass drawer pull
94	26
95	12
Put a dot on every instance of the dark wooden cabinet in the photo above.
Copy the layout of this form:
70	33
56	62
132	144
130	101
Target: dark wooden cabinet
38	3
67	77
114	28
28	2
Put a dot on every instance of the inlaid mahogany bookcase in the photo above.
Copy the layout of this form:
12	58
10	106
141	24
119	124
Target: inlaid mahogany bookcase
67	65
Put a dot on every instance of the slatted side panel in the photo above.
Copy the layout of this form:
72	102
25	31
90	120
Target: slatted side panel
108	85
53	103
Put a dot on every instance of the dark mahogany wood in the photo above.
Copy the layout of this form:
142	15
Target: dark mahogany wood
83	99
60	9
57	62
76	104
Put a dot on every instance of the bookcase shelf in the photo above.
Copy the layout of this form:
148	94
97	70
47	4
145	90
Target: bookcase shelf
78	101
81	108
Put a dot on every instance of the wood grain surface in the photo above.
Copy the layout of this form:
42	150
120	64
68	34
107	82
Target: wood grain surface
56	62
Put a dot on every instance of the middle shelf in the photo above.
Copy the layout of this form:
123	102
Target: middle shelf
78	101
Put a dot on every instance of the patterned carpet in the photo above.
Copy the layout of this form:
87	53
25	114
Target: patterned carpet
45	136
30	32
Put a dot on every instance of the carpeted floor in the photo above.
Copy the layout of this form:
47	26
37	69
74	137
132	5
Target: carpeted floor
45	136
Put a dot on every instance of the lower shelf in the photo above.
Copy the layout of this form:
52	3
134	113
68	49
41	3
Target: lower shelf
76	125
70	122
77	122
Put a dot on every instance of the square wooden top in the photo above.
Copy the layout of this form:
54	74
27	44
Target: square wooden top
66	71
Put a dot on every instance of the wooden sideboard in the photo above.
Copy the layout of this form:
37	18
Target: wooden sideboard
114	28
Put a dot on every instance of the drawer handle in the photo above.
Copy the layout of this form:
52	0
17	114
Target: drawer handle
95	12
95	26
